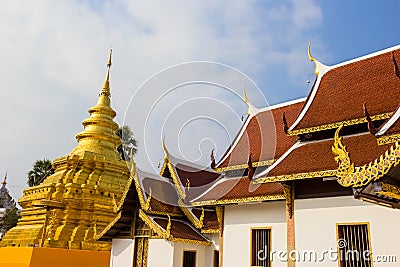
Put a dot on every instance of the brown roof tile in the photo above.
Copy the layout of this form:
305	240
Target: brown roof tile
196	177
317	155
180	229
210	218
239	188
261	138
343	90
163	196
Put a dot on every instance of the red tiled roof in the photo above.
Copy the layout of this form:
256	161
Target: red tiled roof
163	196
317	155
240	188
196	177
210	220
264	136
343	90
180	229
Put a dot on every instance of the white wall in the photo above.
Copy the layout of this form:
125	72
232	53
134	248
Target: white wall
316	226
209	250
200	254
238	221
122	253
161	253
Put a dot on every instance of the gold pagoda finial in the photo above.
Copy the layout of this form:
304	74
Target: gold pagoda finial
106	87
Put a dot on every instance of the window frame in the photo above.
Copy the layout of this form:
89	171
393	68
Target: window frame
251	243
192	251
354	224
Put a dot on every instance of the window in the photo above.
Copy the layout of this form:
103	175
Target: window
354	245
216	258
261	247
189	258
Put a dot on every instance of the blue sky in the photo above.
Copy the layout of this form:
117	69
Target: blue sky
54	55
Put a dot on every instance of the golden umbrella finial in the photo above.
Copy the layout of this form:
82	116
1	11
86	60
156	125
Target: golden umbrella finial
109	59
106	87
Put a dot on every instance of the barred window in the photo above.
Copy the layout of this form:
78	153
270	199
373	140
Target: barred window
354	245
189	258
260	247
216	258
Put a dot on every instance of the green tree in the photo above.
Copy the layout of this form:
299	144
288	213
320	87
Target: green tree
40	171
10	219
129	143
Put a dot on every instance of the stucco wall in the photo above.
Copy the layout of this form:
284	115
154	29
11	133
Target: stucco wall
122	253
316	221
161	253
239	219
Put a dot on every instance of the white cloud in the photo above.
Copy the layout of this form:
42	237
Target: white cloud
54	55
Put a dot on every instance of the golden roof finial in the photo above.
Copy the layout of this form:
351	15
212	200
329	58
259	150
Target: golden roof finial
106	87
250	109
317	63
165	149
168	229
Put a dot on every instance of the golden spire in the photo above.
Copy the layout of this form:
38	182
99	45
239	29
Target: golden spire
5	179
106	87
98	134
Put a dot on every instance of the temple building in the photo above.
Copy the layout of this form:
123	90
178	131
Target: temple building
312	181
7	203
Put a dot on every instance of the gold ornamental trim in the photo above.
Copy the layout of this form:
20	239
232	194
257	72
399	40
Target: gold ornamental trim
166	234
145	204
117	206
155	212
210	231
238	200
348	175
220	215
108	227
388	139
198	223
245	166
389	190
160	232
296	176
190	241
174	176
337	124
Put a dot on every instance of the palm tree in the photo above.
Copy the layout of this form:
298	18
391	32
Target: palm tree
128	144
40	171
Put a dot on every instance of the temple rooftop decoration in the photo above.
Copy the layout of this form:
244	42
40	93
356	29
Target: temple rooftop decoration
6	200
339	99
67	209
378	180
369	79
263	136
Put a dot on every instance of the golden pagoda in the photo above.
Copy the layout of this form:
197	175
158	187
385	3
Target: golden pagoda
79	199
